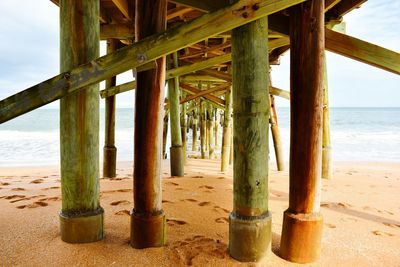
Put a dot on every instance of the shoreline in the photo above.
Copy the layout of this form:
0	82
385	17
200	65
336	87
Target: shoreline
360	208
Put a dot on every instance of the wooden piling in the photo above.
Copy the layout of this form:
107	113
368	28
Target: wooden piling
250	220
147	216
302	222
227	130
81	216
276	136
109	150
183	128
165	133
210	132
194	130
216	129
327	170
203	131
176	149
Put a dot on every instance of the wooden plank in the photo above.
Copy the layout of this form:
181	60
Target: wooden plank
206	92
117	31
138	54
118	89
344	7
198	66
216	60
123	6
177	12
203	5
193	90
362	51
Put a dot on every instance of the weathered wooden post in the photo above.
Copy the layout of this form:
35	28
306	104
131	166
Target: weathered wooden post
302	222
183	126
147	216
165	133
203	131
81	216
210	132
194	129
216	129
176	150
109	150
250	220
276	136
227	129
327	169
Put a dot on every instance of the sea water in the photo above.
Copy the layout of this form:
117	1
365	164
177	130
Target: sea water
357	134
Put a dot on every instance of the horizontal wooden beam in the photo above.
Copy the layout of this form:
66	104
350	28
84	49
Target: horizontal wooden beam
177	12
117	31
118	89
216	60
220	87
362	51
140	53
203	5
279	92
193	90
123	6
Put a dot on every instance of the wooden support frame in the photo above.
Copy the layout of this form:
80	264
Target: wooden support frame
139	54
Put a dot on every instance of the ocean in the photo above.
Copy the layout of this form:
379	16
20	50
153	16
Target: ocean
357	134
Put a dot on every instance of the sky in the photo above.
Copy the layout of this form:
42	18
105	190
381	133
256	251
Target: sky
29	54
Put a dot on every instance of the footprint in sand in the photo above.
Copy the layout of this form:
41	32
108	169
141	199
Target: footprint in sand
172	222
13	197
49	188
171	183
18	189
119	202
341	205
4	183
33	205
205	203
330	225
166	201
206	186
186	251
220	209
197	176
26	198
221	178
37	181
189	200
222	220
50	199
380	233
122	212
393	225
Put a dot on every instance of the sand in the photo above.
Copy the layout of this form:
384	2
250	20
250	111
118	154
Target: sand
360	205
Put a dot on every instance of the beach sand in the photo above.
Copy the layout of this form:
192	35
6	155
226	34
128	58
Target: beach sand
360	205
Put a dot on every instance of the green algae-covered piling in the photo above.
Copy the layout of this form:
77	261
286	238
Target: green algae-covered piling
276	136
250	220
194	130
327	169
109	150
165	134
302	222
176	150
147	216
227	129
81	216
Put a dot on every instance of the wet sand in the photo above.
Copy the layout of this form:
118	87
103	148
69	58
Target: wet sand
360	205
